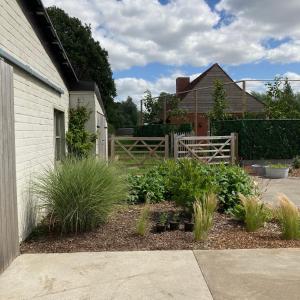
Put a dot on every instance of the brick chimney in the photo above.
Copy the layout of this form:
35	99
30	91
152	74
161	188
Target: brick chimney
182	83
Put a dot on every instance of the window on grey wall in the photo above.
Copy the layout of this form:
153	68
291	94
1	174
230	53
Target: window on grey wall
59	127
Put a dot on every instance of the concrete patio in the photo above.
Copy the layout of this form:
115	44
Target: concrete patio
211	274
272	187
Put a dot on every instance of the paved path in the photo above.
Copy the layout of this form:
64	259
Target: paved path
272	187
252	274
221	274
105	275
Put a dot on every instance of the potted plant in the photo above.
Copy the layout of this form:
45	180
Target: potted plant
277	171
174	223
189	224
259	169
161	224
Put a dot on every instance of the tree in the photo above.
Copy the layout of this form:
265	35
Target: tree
88	58
220	102
126	113
80	142
154	107
280	100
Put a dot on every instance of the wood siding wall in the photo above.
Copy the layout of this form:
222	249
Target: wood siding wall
9	241
205	100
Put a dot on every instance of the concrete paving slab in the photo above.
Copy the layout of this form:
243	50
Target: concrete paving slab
251	274
105	275
288	186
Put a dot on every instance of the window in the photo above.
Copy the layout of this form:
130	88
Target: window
59	128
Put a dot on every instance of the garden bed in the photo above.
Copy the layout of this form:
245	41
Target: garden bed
119	234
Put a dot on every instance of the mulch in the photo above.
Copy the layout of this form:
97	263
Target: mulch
118	234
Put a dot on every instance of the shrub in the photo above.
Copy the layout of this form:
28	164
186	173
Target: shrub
142	223
79	194
289	218
252	212
184	180
232	181
203	216
150	185
188	179
80	142
296	162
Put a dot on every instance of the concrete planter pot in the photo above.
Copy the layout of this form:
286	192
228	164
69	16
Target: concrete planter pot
277	173
259	170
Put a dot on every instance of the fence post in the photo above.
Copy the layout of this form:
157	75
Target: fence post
112	147
166	146
236	150
233	148
175	146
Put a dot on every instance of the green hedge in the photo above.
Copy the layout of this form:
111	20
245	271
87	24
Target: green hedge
263	139
161	129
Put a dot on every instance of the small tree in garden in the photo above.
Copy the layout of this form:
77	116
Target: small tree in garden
220	102
79	141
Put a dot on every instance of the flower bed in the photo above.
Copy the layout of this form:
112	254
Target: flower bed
119	234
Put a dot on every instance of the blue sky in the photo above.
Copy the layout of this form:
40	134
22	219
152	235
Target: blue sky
152	42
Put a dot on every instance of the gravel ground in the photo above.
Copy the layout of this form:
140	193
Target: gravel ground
118	234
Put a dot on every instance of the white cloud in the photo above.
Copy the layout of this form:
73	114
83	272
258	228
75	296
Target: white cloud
135	87
137	32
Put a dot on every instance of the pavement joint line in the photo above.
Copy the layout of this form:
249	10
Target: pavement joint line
198	263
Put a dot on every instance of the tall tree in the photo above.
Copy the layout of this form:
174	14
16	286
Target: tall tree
220	102
126	113
88	58
154	107
280	100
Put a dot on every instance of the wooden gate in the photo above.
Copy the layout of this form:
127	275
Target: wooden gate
139	150
209	149
9	241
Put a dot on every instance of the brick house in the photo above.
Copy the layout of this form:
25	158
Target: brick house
238	101
37	87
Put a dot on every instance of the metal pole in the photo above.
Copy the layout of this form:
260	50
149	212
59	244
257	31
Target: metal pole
196	113
244	98
165	109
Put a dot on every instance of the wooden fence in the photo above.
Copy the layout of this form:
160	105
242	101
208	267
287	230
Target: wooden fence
209	149
139	150
9	241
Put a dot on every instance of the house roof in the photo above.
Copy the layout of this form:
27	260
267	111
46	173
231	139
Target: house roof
39	18
193	83
36	13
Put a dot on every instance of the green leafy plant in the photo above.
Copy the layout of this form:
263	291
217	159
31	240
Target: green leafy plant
278	166
203	215
232	181
80	142
150	185
163	218
289	218
296	162
78	195
143	221
176	217
252	212
188	179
